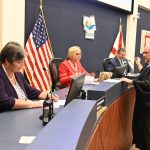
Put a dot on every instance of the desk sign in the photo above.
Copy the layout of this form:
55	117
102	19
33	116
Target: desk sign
26	139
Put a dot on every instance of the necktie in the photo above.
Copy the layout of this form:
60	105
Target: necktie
122	63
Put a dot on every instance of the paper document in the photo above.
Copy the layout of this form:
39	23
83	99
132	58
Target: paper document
26	139
60	102
112	80
89	80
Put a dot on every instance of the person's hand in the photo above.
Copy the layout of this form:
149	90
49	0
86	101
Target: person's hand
126	80
93	74
137	60
55	97
128	74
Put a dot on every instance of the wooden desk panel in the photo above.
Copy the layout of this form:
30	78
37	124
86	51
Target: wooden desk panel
113	130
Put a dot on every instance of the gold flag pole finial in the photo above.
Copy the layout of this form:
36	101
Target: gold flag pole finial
120	27
120	21
41	1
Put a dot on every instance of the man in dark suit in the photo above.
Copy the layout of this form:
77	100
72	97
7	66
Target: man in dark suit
141	117
119	60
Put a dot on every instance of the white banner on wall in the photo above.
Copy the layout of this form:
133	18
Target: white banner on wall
145	39
89	26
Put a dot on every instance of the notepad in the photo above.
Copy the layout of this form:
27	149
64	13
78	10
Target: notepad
26	139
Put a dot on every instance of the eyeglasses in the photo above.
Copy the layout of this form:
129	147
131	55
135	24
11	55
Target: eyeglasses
145	53
78	53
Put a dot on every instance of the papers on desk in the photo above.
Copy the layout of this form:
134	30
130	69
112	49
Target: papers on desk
26	139
132	76
89	80
59	103
112	80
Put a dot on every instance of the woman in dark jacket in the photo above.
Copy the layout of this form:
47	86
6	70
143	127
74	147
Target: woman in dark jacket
15	92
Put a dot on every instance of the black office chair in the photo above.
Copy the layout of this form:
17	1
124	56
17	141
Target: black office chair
105	63
54	70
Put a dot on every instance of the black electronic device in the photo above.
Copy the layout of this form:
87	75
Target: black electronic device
75	88
119	72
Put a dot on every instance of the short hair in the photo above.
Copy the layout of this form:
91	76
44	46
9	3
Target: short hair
12	51
121	50
72	50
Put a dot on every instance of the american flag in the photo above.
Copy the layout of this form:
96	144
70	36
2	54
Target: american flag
39	53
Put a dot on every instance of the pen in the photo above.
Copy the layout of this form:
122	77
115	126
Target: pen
54	92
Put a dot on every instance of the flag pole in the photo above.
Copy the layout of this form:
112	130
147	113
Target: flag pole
41	8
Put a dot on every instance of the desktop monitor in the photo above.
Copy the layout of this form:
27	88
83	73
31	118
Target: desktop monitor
75	87
119	72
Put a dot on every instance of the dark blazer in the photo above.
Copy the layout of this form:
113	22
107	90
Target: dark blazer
141	117
114	62
8	93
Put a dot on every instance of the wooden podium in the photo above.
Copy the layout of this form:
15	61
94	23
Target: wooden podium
113	130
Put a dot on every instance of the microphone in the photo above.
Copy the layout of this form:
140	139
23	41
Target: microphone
45	69
47	104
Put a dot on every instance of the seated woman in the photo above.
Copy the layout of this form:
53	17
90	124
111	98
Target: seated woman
15	92
71	67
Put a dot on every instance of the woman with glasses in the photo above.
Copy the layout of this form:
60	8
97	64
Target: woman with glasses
71	66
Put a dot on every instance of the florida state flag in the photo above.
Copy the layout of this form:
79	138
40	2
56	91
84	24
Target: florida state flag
118	42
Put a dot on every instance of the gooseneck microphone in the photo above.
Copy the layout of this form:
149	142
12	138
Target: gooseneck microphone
45	69
47	105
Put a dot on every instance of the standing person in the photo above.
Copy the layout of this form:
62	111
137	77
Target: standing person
71	66
15	92
141	117
119	60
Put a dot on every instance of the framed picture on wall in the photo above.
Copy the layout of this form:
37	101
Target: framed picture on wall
145	39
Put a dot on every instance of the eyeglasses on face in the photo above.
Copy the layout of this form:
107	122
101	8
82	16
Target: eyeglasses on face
145	53
78	54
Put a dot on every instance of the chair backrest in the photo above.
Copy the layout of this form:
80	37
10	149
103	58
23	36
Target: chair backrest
54	70
105	63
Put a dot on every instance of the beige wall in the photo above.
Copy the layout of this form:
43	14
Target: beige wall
0	24
144	4
12	21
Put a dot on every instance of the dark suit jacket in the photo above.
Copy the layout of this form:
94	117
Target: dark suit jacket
8	93
114	62
141	117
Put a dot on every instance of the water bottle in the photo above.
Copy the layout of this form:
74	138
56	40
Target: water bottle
47	111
